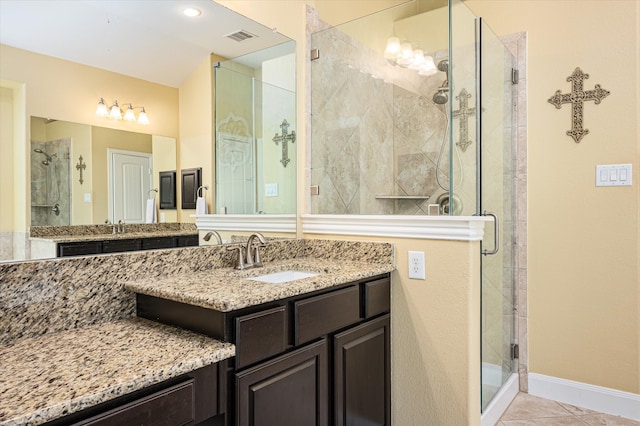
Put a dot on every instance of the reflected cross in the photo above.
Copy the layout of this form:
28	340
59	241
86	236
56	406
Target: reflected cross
80	167
285	137
576	98
463	114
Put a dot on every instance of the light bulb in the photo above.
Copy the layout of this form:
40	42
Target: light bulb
393	48
418	60
406	54
115	111
142	118
428	67
101	110
129	115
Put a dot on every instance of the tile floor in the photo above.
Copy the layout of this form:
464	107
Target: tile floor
532	410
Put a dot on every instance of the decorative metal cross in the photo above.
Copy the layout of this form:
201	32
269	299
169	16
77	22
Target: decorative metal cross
577	98
463	114
80	167
284	138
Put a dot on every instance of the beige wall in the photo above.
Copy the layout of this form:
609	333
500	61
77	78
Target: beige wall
101	140
165	152
6	159
583	261
70	92
196	129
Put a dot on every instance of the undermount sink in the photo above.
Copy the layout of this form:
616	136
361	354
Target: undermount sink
283	276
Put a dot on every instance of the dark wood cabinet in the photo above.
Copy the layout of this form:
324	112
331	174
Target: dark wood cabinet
291	390
158	243
362	375
79	249
314	359
123	245
117	246
190	399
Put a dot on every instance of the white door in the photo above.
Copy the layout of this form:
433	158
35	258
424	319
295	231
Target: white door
235	174
129	184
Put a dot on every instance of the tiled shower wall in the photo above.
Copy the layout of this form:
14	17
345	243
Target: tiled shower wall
388	144
50	184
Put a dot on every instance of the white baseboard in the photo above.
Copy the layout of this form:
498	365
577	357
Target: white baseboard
597	398
501	401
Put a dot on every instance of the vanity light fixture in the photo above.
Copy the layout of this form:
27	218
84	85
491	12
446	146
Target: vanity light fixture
115	112
403	55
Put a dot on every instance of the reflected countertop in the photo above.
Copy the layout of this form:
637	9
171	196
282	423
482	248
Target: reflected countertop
124	236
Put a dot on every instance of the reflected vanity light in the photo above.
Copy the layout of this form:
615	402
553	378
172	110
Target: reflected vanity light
115	112
403	55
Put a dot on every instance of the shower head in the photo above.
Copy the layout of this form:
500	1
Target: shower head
49	157
440	97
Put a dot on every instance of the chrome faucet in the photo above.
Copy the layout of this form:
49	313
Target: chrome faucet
209	234
121	226
254	262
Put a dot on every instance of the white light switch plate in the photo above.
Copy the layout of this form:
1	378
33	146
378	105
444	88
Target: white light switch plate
613	175
271	190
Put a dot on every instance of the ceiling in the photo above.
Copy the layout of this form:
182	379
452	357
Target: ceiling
150	40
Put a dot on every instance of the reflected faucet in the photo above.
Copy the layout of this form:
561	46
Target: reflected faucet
251	261
209	234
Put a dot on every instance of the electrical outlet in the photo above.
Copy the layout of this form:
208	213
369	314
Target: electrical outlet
416	265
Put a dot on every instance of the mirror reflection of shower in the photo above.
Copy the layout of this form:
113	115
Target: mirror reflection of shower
50	173
49	157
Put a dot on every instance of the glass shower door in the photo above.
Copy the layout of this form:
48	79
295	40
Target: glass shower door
496	190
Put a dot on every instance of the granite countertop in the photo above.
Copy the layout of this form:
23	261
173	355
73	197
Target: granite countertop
125	236
227	289
46	377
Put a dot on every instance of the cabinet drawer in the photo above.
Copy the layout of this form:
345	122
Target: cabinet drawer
169	407
79	249
158	243
260	335
187	241
377	297
320	315
113	246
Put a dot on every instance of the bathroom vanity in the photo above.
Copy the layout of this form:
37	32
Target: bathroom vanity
181	335
63	241
315	357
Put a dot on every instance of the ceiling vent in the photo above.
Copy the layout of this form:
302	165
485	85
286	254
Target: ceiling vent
241	35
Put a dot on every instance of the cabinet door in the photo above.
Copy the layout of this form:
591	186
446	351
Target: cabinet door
290	390
362	375
79	249
158	243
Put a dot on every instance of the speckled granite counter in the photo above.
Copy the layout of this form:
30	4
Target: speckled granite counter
40	376
102	237
227	289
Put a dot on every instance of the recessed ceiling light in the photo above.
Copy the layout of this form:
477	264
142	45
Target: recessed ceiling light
191	12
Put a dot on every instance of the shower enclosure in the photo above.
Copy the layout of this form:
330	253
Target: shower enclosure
255	144
50	183
412	114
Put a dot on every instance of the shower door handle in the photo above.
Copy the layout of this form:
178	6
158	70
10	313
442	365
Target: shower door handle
496	234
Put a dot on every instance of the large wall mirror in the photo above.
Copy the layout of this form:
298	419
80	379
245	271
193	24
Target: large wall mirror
53	72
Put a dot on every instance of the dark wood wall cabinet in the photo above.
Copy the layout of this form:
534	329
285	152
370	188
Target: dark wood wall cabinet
82	248
190	399
321	358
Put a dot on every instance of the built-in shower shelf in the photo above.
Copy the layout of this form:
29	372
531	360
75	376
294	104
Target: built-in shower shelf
402	197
